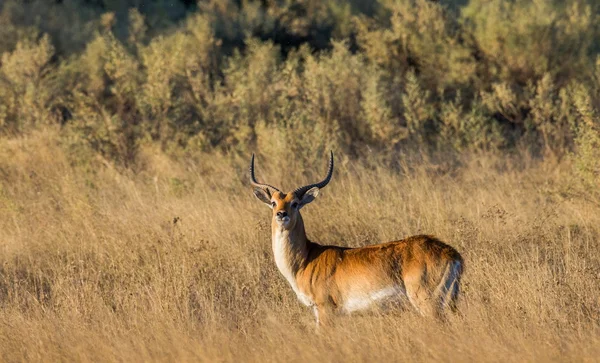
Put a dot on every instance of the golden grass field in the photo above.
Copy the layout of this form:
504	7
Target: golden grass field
173	262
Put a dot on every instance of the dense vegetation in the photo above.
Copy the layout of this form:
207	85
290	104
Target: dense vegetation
128	230
235	75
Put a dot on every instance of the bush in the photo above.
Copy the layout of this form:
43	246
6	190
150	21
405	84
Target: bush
228	76
26	88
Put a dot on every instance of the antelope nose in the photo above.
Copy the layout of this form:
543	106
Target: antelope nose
281	214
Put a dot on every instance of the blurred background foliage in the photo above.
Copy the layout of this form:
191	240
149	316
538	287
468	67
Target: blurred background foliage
299	77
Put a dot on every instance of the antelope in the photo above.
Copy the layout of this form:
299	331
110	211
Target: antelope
340	280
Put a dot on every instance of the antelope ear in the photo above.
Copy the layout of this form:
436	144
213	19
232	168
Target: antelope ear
309	196
263	195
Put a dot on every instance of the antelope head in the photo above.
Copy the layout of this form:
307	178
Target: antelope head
286	206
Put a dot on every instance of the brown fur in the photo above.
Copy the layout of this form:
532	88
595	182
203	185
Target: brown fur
328	275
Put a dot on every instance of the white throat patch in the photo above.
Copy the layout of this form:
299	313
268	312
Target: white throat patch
281	252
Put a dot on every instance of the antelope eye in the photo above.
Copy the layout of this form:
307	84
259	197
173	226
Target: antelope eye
295	205
274	204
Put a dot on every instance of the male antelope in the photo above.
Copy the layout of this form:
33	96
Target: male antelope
333	279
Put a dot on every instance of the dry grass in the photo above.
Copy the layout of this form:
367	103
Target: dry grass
173	263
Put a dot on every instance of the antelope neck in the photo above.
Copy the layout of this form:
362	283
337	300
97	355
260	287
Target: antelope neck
290	251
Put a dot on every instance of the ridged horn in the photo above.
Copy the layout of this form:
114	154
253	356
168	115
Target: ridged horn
300	191
255	182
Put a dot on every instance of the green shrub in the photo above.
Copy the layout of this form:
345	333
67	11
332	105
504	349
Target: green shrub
586	101
26	91
299	78
471	129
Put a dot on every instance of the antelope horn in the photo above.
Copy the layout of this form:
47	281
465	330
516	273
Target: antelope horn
255	182
300	191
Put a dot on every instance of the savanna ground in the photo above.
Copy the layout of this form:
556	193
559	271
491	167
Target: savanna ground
128	229
174	263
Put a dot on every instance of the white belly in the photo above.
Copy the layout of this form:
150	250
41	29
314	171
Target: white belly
362	301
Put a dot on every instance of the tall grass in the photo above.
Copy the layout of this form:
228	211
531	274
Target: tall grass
174	262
